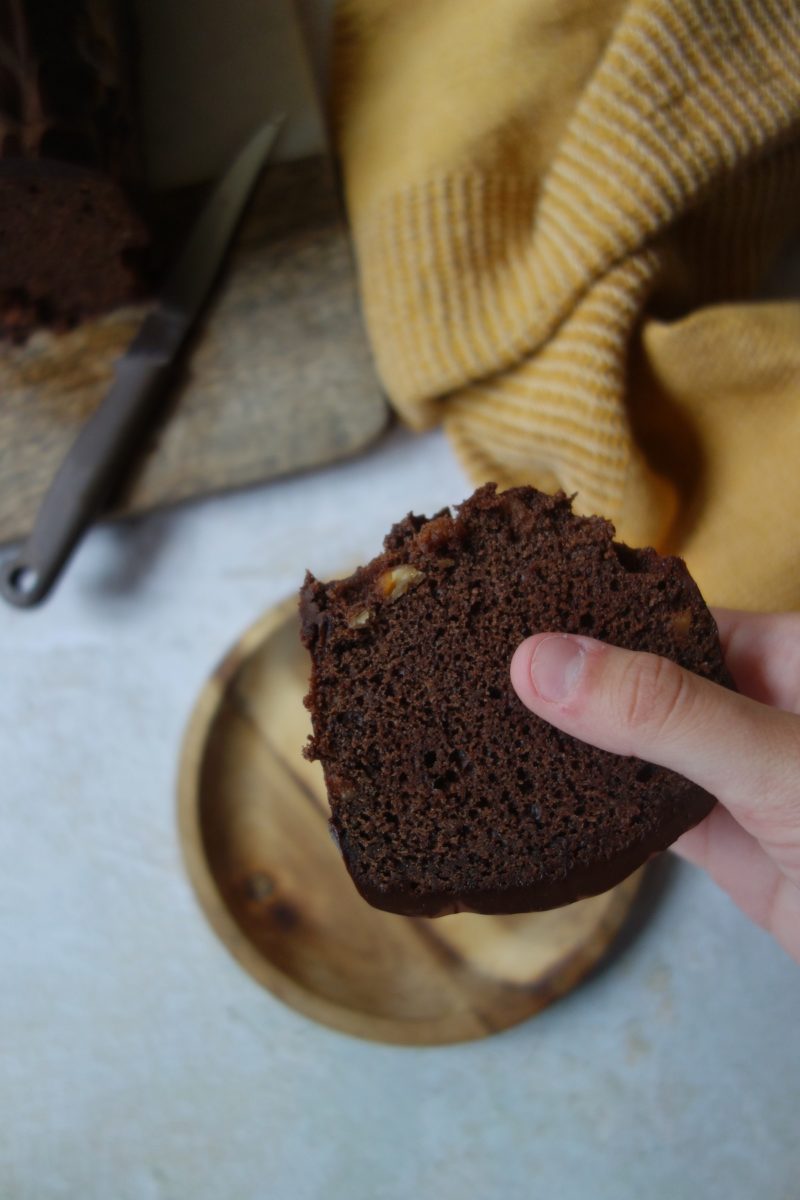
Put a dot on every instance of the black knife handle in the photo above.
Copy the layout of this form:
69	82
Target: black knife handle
85	480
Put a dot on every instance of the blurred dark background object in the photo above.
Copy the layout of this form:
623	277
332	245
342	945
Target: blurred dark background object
73	240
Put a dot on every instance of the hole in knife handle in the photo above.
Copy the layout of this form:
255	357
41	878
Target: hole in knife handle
23	580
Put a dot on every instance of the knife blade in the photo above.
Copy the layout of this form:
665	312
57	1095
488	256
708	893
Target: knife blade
104	447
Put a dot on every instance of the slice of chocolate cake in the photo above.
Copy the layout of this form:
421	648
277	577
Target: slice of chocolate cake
446	793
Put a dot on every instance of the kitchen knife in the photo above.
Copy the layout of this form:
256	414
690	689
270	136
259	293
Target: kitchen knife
112	435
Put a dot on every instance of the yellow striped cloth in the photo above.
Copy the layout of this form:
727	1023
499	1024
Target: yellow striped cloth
562	211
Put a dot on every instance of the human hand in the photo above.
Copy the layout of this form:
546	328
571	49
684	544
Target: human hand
744	749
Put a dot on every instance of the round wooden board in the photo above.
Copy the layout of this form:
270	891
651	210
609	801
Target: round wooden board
253	822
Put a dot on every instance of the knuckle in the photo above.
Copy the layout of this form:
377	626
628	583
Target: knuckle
654	695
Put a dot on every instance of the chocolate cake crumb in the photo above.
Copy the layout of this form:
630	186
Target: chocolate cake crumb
446	793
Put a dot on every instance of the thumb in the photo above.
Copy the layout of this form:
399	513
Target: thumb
744	753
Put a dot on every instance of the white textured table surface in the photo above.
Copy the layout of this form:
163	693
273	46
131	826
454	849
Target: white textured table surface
138	1062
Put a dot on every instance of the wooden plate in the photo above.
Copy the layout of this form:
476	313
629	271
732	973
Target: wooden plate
253	825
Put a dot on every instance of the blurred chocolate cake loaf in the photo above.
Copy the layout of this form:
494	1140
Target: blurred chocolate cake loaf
72	239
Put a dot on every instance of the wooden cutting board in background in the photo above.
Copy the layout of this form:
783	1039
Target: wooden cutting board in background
279	377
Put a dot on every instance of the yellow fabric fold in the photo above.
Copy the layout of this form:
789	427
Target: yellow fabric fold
561	212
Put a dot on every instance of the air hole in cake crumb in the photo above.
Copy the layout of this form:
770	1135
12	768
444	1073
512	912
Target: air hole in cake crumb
494	692
429	758
645	773
586	620
628	559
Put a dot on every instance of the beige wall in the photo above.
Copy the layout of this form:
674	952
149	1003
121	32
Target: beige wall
212	70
